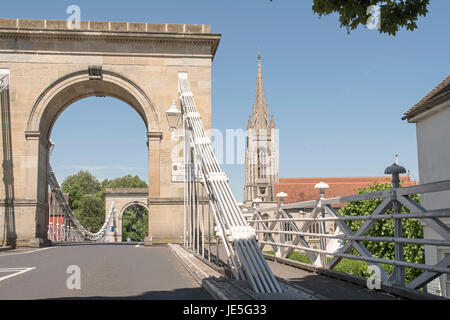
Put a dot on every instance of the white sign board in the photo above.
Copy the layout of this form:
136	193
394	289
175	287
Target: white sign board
179	172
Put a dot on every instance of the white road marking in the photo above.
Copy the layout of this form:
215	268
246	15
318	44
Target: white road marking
16	253
17	271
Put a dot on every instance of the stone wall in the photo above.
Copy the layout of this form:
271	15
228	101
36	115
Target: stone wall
138	63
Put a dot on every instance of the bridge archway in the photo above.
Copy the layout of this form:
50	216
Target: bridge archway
76	86
123	199
50	67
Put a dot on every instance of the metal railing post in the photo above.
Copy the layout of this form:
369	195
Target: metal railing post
399	271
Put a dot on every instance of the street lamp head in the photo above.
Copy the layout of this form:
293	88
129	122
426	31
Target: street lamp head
321	185
281	195
173	116
395	168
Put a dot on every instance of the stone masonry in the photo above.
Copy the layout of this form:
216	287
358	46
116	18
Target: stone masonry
51	66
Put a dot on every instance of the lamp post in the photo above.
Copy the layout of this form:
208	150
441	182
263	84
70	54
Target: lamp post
395	170
323	245
321	186
281	195
173	116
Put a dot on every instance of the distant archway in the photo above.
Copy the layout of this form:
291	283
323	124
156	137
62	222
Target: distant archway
134	222
123	198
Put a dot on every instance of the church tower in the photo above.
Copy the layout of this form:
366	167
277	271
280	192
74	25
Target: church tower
261	156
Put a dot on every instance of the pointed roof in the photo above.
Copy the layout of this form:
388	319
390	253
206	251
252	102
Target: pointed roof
431	100
260	109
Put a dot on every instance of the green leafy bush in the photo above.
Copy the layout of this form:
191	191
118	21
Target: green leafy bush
385	228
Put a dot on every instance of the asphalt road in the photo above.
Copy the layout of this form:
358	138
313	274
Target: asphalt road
106	272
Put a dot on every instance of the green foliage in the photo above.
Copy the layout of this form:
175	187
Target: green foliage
393	14
385	228
135	223
301	257
345	265
91	212
353	267
297	256
87	201
127	181
79	185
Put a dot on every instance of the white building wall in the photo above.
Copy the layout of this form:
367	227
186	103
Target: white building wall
433	144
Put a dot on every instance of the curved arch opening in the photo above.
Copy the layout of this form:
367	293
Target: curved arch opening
74	89
78	85
134	223
99	143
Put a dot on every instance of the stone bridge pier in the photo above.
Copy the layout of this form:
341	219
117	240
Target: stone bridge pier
50	67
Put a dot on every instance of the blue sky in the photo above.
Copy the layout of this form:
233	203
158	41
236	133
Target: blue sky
337	99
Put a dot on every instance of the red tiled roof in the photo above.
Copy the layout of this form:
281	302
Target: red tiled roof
442	90
302	189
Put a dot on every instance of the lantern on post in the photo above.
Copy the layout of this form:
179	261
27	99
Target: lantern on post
173	116
399	271
281	195
321	186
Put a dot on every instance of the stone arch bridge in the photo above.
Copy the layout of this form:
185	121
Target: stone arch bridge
50	66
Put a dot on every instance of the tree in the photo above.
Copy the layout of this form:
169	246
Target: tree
393	14
87	201
135	218
127	181
91	212
79	185
135	223
385	228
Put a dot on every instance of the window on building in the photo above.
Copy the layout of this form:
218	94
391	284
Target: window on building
262	163
314	228
285	226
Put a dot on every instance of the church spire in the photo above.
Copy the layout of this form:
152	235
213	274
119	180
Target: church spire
260	109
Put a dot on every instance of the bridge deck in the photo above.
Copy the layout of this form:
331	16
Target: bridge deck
326	287
322	286
107	272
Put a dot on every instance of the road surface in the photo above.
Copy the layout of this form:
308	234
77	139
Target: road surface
106	272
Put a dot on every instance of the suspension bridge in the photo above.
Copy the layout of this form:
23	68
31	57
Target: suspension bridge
201	243
222	240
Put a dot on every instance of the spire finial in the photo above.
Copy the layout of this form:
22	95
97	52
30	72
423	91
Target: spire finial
260	110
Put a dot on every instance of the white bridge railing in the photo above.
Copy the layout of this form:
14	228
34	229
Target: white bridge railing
284	233
64	226
205	181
